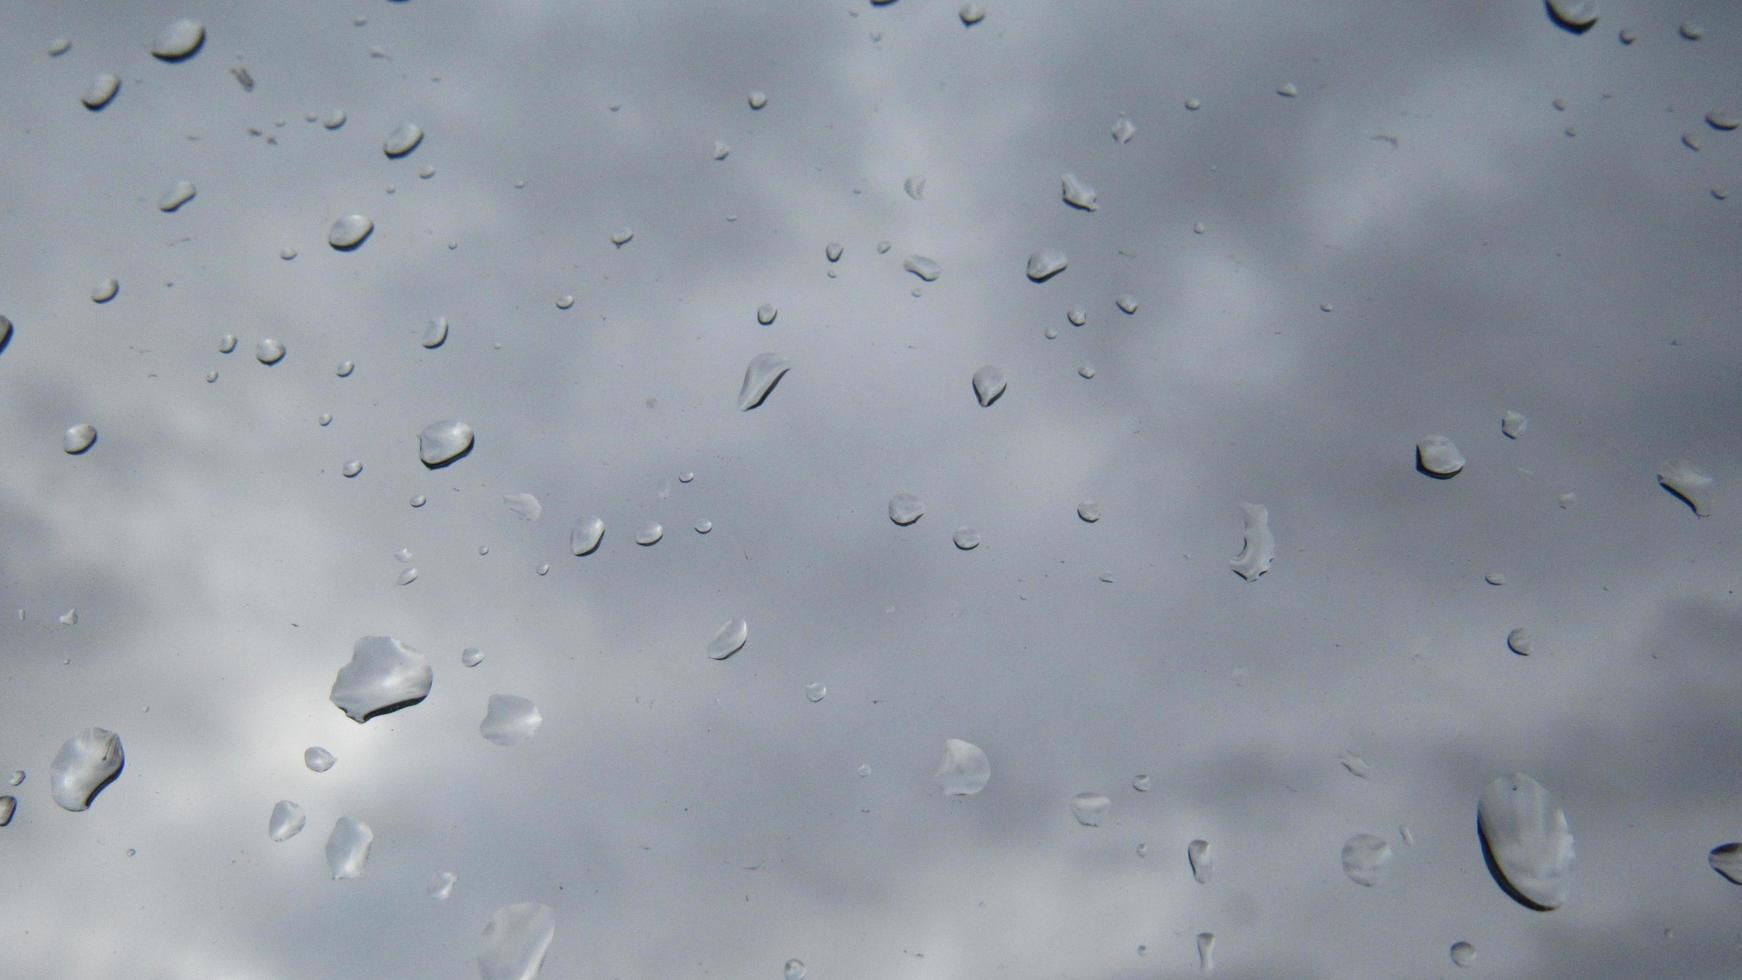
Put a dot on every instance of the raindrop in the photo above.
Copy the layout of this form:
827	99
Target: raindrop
1260	546
585	536
1356	765
383	675
435	332
269	351
59	46
649	533
402	140
1525	841
1688	482
85	764
925	268
914	185
989	383
1077	316
1079	194
441	885
287	253
1124	129
1726	859
832	251
1366	859
523	505
510	720
101	90
1691	141
440	443
179	193
286	822
758	99
211	376
1141	783
1203	863
815	692
325	419
333	118
543	569
966	538
1691	30
179	40
226	343
760	377
69	618
864	770
471	656
1198	228
1406	836
971	14
408	576
1722	120
729	638
1287	90
721	150
1090	808
318	759
565	301
349	231
766	313
1463	954
1437	457
1086	371
1513	424
1206	953
1051	333
1045	263
351	468
515	941
78	438
1194	103
1521	642
704	526
8	806
1574	15
425	172
1126	302
1325	308
964	770
345	368
418	500
905	508
685	477
348	848
1089	511
105	291
795	968
15	778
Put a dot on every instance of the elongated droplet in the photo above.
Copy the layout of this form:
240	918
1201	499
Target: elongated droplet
1089	511
766	313
286	822
966	538
919	265
1691	30
1126	302
435	332
1438	457
649	533
179	40
1356	765
510	720
1079	194
402	140
59	46
16	776
971	14
915	186
1688	482
441	443
179	193
1124	129
1366	859
964	770
1260	546
729	638
515	942
384	675
105	290
348	848
1524	835
84	765
76	439
989	383
1206	953
905	508
1194	103
1726	859
101	90
585	536
523	505
441	885
833	251
1090	808
1574	15
349	232
1521	642
1045	263
1513	424
1463	954
1721	120
318	759
1202	862
760	377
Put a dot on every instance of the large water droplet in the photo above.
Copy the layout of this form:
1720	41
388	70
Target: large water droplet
1513	424
523	505
1260	547
8	806
1726	859
919	265
1124	129
1203	863
510	720
966	538
179	193
729	638
760	377
585	536
318	759
989	383
1526	841
1574	15
76	439
1090	808
1688	482
105	290
649	533
1079	194
85	764
1463	954
441	885
441	443
349	231
1045	263
348	848
1438	457
905	508
179	39
286	822
515	942
1206	953
100	91
964	770
1366	859
403	139
384	675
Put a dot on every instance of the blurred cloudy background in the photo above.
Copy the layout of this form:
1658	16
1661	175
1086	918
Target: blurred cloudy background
1479	250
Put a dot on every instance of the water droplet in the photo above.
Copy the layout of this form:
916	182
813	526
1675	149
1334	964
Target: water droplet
1726	859
15	778
966	538
760	377
795	970
1691	30
402	140
326	419
1691	141
85	764
269	351
1090	808
1050	333
101	90
1437	457
758	99
286	822
408	576
964	770
1077	316
510	720
178	40
1521	642
766	313
883	247
105	290
333	118
69	618
925	268
1089	511
1356	765
1126	302
523	505
1366	859
435	332
349	231
1463	954
443	442
8	806
318	759
1045	263
1202	862
905	508
226	343
345	368
1198	228
483	549
1525	838
1495	578
78	438
1141	783
1627	37
1287	90
1721	120
1513	424
914	185
59	46
1325	308
351	468
1124	129
1079	194
729	638
543	569
1688	482
1142	852
425	172
348	848
989	383
1574	15
971	14
418	500
441	885
1567	500
515	941
649	533
1086	371
585	536
1260	545
179	193
1406	836
815	692
471	656
383	675
1206	953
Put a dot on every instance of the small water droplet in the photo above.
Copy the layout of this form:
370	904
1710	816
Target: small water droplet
1513	424
351	468
763	373
1495	578
443	442
919	265
318	759
211	377
795	970
408	576
914	185
989	384
8	806
1124	129
179	193
1567	500
1259	548
418	500
1691	141
1463	954
383	675
345	368
483	549
471	656
1079	194
1366	859
1627	37
286	822
832	251
758	99
864	769
59	46
966	538
1126	302
1574	15
1287	90
704	526
1198	228
1050	333
510	720
1521	642
348	848
105	290
883	247
101	90
1077	316
226	343
515	942
729	638
721	150
1356	765
15	778
964	770
1406	836
543	569
565	301
1090	808
1089	511
815	692
441	885
269	351
1206	953
1438	457
1045	263
1086	371
402	140
1524	832
85	764
69	618
425	172
905	508
435	332
1688	482
326	419
649	533
349	232
179	39
76	439
333	118
1691	30
1141	783
766	313
1203	863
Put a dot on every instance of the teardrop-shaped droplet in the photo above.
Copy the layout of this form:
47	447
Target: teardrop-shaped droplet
760	377
815	692
1045	263
515	942
1126	302
510	720
649	533
1079	194
349	231
1438	457
318	759
1089	511
585	536
179	193
1206	953
1366	859
523	505
1687	481
85	764
286	822
1513	424
76	439
905	508
443	442
966	538
833	250
100	91
989	383
1090	808
919	265
105	290
1463	954
729	638
964	770
1124	129
383	675
1202	862
402	140
179	40
1726	859
1526	840
1574	15
1259	548
758	99
766	313
348	848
